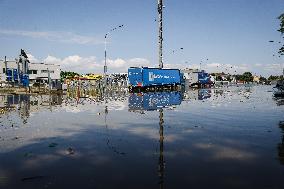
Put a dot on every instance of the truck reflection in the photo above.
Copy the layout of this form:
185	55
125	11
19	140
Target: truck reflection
156	101
197	94
153	100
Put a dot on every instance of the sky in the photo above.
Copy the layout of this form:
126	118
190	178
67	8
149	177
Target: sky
217	35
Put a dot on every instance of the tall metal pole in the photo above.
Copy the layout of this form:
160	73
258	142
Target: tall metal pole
49	79
105	66
5	61
160	12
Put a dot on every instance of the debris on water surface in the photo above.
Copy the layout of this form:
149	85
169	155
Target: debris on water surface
32	178
29	154
16	138
281	124
52	145
70	151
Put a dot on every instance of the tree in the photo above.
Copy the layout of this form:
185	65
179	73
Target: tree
273	78
262	79
247	77
63	75
228	78
281	30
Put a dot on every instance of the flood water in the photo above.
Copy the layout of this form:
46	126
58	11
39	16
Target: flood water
209	138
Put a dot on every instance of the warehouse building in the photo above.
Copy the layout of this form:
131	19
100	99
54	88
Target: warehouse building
38	73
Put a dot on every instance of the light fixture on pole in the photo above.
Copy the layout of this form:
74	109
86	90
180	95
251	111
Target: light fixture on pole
105	66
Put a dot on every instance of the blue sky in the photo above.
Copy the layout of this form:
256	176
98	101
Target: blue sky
232	34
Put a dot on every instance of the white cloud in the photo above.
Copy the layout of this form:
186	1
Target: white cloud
52	60
272	66
120	65
257	65
213	65
32	58
75	63
90	64
66	37
117	63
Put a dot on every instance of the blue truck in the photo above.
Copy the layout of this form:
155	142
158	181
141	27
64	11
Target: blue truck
153	100
196	78
203	77
148	77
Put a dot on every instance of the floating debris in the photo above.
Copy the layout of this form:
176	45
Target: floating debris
70	151
16	138
281	124
32	178
29	154
52	145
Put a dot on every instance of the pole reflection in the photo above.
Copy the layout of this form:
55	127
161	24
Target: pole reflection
280	146
161	157
151	101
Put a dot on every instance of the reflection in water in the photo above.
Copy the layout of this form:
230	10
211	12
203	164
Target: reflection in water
156	101
161	157
226	148
281	145
197	94
25	104
279	101
153	100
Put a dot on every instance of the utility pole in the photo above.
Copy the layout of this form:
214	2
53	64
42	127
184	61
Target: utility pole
49	80
160	20
161	116
108	33
105	66
5	61
18	68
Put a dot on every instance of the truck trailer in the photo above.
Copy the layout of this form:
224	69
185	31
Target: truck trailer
196	78
148	77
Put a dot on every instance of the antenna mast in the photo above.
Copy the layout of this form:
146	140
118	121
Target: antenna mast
160	11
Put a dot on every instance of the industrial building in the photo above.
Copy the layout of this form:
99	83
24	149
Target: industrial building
37	73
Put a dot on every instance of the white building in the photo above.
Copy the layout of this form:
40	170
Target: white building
38	72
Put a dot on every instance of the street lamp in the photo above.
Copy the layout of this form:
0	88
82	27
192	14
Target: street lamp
108	33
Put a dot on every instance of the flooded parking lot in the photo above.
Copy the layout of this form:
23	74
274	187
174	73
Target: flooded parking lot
226	138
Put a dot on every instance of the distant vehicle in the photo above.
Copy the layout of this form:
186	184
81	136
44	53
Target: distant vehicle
196	78
148	77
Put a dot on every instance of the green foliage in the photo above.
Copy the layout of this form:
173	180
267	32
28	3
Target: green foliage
238	77
275	77
63	75
228	78
281	30
218	78
247	77
281	18
262	79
